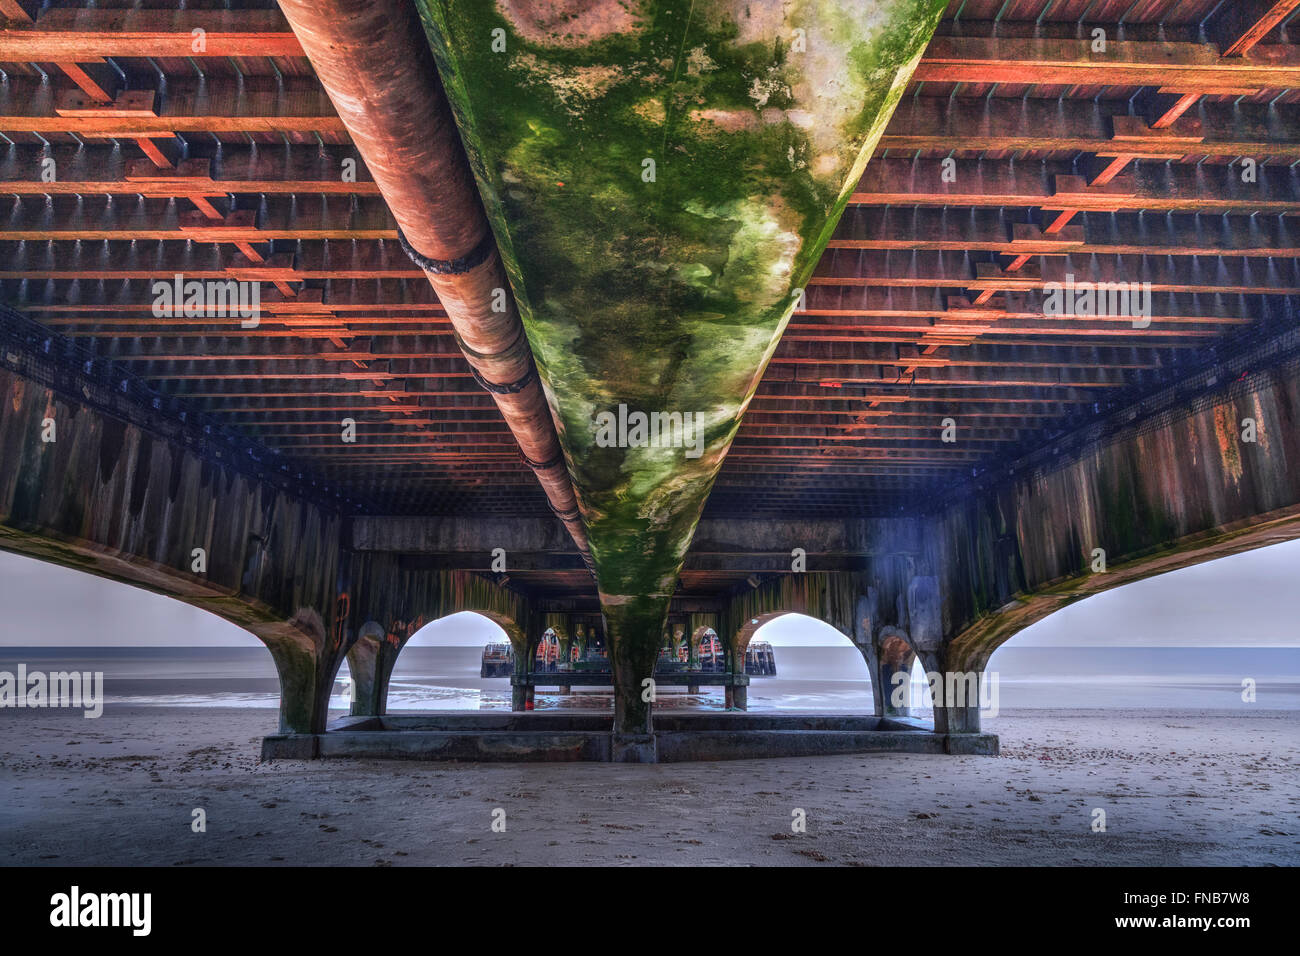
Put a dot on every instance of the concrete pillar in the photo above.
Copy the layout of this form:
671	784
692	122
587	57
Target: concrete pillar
307	662
891	688
890	658
959	719
518	696
735	696
740	696
955	693
370	662
633	636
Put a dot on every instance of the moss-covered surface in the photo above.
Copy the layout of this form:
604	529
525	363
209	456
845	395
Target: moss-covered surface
667	295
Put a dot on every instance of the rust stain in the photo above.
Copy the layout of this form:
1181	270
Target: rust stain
1225	430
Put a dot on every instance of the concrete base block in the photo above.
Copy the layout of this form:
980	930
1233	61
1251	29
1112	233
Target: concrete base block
469	746
557	737
976	745
633	748
291	747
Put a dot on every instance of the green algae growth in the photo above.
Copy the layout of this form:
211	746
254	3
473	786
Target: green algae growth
662	177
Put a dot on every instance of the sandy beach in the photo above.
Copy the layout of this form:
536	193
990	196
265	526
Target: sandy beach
1177	789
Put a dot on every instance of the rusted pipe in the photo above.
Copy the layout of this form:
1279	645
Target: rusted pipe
372	58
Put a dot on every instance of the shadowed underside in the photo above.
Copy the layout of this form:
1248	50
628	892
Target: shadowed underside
1022	154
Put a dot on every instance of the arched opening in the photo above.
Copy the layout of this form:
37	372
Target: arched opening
817	667
440	667
153	651
710	655
1211	636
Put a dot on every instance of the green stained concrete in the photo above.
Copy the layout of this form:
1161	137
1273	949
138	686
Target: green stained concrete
668	295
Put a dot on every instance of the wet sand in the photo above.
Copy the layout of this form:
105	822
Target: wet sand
1177	789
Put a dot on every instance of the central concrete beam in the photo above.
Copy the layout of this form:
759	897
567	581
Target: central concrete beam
662	177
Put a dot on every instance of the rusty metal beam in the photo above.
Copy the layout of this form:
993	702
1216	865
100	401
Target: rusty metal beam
372	59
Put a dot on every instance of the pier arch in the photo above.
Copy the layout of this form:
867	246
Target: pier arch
707	646
295	645
811	651
374	656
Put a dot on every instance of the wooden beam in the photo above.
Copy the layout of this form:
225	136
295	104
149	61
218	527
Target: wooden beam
1071	62
255	104
65	35
1167	187
13	10
77	75
1244	23
1127	232
964	125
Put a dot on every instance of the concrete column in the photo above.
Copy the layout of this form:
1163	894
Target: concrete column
890	658
735	696
370	662
959	719
740	696
523	667
307	663
632	639
956	693
566	651
891	687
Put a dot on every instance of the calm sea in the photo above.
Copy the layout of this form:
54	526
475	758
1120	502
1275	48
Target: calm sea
824	679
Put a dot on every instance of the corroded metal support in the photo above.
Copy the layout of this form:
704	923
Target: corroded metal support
371	57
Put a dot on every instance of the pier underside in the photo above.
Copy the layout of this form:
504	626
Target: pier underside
966	311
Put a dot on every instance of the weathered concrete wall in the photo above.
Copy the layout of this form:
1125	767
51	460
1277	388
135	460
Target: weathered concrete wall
1153	499
870	606
471	537
394	602
115	500
950	588
108	498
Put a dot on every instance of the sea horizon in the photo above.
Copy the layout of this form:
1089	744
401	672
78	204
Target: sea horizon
831	679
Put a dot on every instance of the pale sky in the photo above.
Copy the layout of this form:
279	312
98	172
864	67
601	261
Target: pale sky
1246	599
